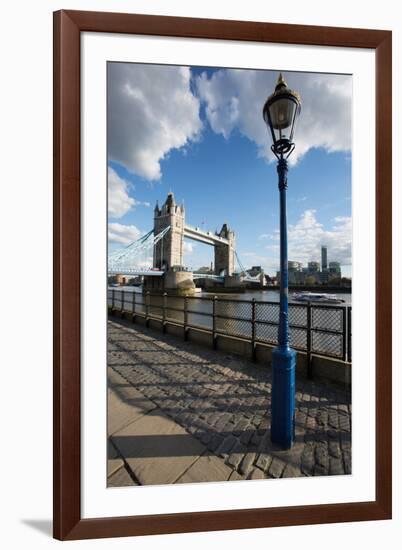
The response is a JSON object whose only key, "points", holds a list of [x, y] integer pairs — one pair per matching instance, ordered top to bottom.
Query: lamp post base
{"points": [[283, 397]]}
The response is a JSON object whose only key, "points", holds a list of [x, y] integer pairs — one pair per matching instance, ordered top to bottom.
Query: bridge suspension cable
{"points": [[135, 245], [129, 257], [242, 268], [246, 276]]}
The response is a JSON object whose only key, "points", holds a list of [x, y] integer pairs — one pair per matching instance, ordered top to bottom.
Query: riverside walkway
{"points": [[182, 413]]}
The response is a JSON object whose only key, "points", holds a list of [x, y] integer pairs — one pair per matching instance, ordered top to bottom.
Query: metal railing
{"points": [[316, 329]]}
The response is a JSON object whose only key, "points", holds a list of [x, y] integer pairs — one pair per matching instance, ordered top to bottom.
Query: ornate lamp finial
{"points": [[281, 82]]}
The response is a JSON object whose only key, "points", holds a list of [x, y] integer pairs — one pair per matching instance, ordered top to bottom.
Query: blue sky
{"points": [[199, 133]]}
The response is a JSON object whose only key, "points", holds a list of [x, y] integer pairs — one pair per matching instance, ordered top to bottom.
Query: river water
{"points": [[259, 295], [273, 296]]}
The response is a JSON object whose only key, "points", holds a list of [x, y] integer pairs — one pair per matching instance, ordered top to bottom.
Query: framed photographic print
{"points": [[222, 229]]}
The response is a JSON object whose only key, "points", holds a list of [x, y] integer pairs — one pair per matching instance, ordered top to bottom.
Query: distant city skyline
{"points": [[199, 133]]}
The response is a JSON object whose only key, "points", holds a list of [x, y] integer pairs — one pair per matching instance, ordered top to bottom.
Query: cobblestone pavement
{"points": [[223, 401]]}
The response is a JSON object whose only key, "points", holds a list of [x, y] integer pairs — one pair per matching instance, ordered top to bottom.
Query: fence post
{"points": [[113, 291], [147, 299], [122, 304], [133, 308], [164, 312], [185, 318], [214, 322], [253, 331], [344, 333], [350, 334], [309, 338]]}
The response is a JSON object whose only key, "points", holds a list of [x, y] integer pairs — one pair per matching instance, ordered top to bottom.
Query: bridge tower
{"points": [[168, 252], [225, 254]]}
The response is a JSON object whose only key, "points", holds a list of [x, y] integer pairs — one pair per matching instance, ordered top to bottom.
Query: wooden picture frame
{"points": [[68, 25]]}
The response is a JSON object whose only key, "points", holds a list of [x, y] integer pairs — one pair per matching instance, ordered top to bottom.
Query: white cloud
{"points": [[234, 99], [151, 110], [119, 200], [123, 234], [308, 235], [305, 239], [188, 248], [270, 265]]}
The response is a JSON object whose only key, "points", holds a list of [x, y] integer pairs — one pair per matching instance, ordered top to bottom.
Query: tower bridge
{"points": [[166, 244], [169, 251]]}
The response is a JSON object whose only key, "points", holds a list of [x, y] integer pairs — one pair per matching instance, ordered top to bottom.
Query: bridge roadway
{"points": [[206, 237], [134, 272], [182, 413]]}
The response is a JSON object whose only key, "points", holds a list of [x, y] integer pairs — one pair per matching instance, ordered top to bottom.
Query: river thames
{"points": [[259, 295]]}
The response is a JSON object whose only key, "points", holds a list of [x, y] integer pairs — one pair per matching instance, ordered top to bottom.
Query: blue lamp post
{"points": [[280, 112]]}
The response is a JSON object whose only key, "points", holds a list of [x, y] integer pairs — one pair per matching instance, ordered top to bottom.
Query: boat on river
{"points": [[317, 297]]}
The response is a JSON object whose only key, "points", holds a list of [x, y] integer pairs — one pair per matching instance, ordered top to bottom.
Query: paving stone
{"points": [[125, 403], [300, 417], [214, 418], [322, 418], [333, 419], [257, 420], [222, 421], [311, 422], [344, 422], [265, 423], [240, 426], [228, 427], [299, 431], [332, 434], [247, 435], [321, 436], [206, 437], [256, 438], [345, 440], [214, 442], [265, 444], [226, 445], [157, 449], [334, 449], [236, 455], [294, 455], [321, 455], [307, 459], [114, 460], [264, 461], [347, 461], [247, 463], [336, 466], [206, 468], [276, 468], [320, 470], [291, 471], [256, 473], [235, 476], [121, 478]]}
